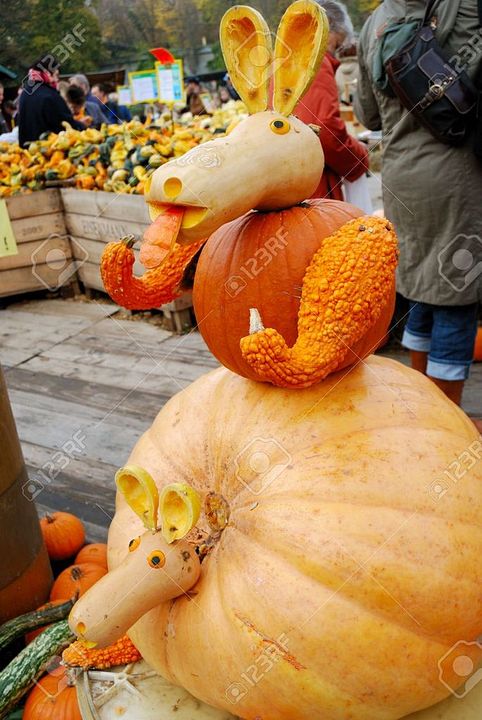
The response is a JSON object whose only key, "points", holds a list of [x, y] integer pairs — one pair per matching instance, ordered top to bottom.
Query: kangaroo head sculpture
{"points": [[271, 160], [325, 299], [158, 565]]}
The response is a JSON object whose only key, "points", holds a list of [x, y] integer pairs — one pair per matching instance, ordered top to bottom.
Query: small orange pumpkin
{"points": [[260, 261], [63, 534], [94, 553], [76, 580], [33, 633], [52, 698]]}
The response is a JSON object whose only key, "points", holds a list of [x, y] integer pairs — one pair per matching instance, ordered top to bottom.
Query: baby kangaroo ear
{"points": [[299, 49], [248, 54], [140, 492]]}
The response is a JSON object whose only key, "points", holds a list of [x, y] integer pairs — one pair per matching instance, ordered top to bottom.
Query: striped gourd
{"points": [[31, 621], [30, 663]]}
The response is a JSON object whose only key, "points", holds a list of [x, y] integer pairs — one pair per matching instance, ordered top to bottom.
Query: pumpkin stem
{"points": [[128, 240], [255, 322], [49, 518], [76, 573]]}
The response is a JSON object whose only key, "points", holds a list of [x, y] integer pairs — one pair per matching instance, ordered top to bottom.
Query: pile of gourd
{"points": [[116, 158], [77, 567]]}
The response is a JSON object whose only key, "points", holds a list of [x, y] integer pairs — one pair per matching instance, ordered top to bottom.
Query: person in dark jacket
{"points": [[41, 108], [345, 157], [432, 194]]}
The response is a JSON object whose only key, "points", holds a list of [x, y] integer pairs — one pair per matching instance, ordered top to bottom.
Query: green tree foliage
{"points": [[68, 29], [119, 31]]}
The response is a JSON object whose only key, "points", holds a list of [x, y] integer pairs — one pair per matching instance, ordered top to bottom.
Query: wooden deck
{"points": [[74, 369], [87, 384]]}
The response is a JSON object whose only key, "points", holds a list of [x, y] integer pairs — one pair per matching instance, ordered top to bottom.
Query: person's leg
{"points": [[417, 334], [451, 352], [419, 360], [452, 388]]}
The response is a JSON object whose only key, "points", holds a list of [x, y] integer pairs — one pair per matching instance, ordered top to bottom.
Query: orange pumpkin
{"points": [[259, 261], [478, 346], [63, 534], [94, 553], [348, 564], [76, 580], [33, 633], [52, 698]]}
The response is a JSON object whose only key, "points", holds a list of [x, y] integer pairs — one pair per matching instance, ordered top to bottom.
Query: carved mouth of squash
{"points": [[192, 216], [168, 221]]}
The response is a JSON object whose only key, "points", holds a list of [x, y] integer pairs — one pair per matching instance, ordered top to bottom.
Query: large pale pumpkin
{"points": [[350, 564]]}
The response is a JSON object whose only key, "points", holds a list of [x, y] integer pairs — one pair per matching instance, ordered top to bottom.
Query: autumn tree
{"points": [[68, 29]]}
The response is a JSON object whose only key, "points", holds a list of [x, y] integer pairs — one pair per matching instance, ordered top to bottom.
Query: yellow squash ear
{"points": [[299, 49], [248, 54], [140, 492]]}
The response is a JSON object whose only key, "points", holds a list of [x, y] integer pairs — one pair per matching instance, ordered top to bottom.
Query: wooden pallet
{"points": [[96, 218], [44, 258]]}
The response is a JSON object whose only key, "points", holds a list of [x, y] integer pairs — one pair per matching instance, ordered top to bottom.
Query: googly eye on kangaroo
{"points": [[269, 161]]}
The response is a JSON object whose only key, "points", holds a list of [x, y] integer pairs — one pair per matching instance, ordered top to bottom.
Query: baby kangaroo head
{"points": [[158, 566]]}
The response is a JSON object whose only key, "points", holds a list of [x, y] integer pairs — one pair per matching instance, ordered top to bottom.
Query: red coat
{"points": [[345, 157]]}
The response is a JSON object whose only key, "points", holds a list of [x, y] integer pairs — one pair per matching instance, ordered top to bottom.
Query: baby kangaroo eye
{"points": [[280, 126], [134, 544], [156, 559]]}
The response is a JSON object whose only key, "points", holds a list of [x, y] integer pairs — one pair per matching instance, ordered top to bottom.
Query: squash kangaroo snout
{"points": [[218, 181], [153, 572]]}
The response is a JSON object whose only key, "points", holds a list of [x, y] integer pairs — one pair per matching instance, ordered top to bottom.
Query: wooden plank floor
{"points": [[77, 373]]}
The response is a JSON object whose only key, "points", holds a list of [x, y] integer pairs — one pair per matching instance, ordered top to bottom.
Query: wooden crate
{"points": [[96, 218], [44, 258]]}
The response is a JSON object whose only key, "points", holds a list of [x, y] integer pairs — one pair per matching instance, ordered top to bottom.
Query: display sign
{"points": [[170, 80], [143, 85], [124, 93], [8, 244]]}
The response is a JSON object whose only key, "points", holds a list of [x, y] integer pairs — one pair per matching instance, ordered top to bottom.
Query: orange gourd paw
{"points": [[345, 288]]}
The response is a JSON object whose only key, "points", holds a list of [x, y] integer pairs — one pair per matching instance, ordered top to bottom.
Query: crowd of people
{"points": [[44, 103], [431, 191]]}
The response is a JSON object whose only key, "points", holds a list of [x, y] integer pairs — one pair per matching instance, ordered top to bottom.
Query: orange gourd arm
{"points": [[155, 287], [344, 291], [122, 652]]}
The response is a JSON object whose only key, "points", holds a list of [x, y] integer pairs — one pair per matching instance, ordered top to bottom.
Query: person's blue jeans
{"points": [[447, 334]]}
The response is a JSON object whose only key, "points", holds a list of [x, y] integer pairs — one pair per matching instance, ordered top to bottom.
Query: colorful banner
{"points": [[170, 81], [143, 85]]}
